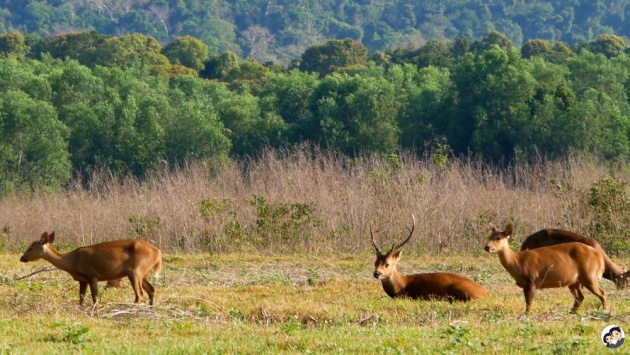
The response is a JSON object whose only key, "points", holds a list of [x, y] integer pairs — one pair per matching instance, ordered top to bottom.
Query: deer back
{"points": [[548, 237], [560, 265]]}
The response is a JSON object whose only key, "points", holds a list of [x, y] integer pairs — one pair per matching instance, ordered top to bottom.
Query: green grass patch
{"points": [[254, 304]]}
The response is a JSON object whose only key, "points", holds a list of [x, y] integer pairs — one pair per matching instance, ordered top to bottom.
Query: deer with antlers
{"points": [[426, 286]]}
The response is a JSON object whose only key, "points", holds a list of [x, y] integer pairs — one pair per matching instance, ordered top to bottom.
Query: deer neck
{"points": [[61, 261], [509, 261], [394, 284]]}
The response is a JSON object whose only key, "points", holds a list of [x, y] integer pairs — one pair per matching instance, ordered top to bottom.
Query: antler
{"points": [[413, 227], [378, 250]]}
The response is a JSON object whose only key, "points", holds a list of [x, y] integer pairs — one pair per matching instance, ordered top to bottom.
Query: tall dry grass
{"points": [[198, 209]]}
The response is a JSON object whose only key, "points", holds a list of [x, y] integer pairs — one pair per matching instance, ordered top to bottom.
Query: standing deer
{"points": [[547, 237], [102, 262], [569, 264], [426, 286]]}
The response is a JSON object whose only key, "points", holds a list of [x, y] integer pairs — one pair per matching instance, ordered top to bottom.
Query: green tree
{"points": [[496, 39], [13, 43], [608, 45], [78, 46], [536, 47], [128, 50], [187, 51], [561, 52], [434, 53], [332, 56], [218, 67], [249, 73], [289, 96], [423, 96], [492, 111], [356, 114], [115, 119], [604, 126], [193, 128], [249, 129], [33, 146]]}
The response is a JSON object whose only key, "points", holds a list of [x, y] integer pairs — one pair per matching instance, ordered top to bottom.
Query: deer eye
{"points": [[386, 264]]}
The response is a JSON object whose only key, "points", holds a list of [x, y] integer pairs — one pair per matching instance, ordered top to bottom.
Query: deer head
{"points": [[499, 239], [37, 249], [385, 264]]}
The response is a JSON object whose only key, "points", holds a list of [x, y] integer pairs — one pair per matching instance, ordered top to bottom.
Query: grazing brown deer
{"points": [[547, 237], [102, 262], [569, 264], [438, 285]]}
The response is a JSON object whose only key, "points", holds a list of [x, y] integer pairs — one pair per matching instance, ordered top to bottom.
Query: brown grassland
{"points": [[274, 256]]}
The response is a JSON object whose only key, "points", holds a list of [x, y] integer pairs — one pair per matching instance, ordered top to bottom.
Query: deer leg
{"points": [[149, 288], [94, 289], [137, 289], [529, 290], [597, 291], [82, 292], [578, 296]]}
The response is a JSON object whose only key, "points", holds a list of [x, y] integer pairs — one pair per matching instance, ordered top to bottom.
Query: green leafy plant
{"points": [[440, 153], [610, 208], [219, 211], [287, 221], [144, 227], [292, 325], [75, 333]]}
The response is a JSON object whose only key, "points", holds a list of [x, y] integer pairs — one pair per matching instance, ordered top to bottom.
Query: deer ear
{"points": [[509, 229], [51, 237], [44, 239], [397, 254]]}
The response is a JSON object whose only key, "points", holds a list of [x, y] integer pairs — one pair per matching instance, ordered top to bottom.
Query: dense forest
{"points": [[281, 30], [75, 103]]}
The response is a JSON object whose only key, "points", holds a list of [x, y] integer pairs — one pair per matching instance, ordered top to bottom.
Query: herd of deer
{"points": [[549, 258]]}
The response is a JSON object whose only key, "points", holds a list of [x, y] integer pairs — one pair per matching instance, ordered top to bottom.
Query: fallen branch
{"points": [[45, 268], [365, 320]]}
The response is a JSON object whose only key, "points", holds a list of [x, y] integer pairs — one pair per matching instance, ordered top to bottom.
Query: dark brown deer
{"points": [[547, 237], [106, 261], [571, 265], [426, 286]]}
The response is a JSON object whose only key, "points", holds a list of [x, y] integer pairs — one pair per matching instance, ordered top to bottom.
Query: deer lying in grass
{"points": [[547, 237], [102, 262], [569, 264], [439, 285]]}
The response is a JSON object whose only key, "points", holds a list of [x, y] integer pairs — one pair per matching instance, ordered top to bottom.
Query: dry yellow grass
{"points": [[198, 210], [262, 289]]}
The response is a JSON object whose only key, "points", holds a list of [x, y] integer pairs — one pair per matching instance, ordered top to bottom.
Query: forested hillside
{"points": [[280, 30]]}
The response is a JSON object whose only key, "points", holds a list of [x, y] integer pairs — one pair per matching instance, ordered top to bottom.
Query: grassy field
{"points": [[273, 256], [244, 303]]}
